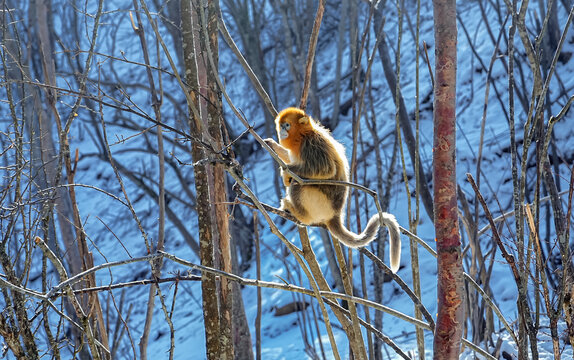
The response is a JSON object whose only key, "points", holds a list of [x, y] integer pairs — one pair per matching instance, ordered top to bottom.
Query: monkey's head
{"points": [[292, 124]]}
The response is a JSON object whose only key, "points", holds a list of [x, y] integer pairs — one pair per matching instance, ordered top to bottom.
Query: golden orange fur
{"points": [[311, 152]]}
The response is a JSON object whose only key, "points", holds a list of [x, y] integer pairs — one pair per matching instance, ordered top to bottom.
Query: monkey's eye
{"points": [[286, 126]]}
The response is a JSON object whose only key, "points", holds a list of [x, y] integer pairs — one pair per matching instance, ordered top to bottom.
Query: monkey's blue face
{"points": [[284, 130]]}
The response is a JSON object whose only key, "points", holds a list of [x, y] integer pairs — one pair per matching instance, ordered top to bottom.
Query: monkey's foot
{"points": [[287, 179]]}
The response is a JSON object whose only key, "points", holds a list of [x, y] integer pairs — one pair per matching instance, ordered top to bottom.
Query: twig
{"points": [[311, 54], [428, 63], [173, 66], [552, 68], [254, 80], [156, 104], [485, 107], [47, 189], [511, 212], [418, 240], [508, 257], [76, 278], [138, 283], [319, 284], [295, 288], [24, 291], [416, 300], [259, 301], [492, 305], [552, 313], [84, 320], [171, 328], [373, 330], [477, 349]]}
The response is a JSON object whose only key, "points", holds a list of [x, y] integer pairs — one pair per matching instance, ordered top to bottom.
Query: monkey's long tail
{"points": [[338, 230]]}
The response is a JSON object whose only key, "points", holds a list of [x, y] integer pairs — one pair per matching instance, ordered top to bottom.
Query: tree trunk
{"points": [[199, 28], [190, 35], [217, 186], [448, 331]]}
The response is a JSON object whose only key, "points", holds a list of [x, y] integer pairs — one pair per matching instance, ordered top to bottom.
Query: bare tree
{"points": [[116, 149], [448, 331]]}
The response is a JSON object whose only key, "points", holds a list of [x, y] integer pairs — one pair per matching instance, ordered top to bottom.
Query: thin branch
{"points": [[311, 54], [254, 80], [508, 257], [78, 277], [138, 283], [299, 289], [84, 320]]}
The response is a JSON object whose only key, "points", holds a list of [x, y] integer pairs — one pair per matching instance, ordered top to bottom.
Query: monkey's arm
{"points": [[279, 150], [283, 155]]}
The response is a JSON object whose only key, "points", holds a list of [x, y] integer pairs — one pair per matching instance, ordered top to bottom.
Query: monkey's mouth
{"points": [[283, 134]]}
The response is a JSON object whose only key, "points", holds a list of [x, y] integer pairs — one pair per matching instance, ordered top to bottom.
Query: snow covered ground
{"points": [[281, 336]]}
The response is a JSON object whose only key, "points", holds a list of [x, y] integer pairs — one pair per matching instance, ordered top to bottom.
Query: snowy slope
{"points": [[282, 335]]}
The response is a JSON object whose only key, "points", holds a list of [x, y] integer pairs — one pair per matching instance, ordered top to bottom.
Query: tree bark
{"points": [[200, 31], [190, 34], [217, 185], [448, 331]]}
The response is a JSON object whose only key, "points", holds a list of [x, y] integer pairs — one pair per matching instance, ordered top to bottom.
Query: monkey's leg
{"points": [[286, 178], [286, 205], [296, 210]]}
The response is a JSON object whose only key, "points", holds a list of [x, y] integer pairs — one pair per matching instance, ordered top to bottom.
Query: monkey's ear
{"points": [[304, 120]]}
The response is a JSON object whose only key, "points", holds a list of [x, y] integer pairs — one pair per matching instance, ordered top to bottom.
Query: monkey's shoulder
{"points": [[320, 140], [321, 154]]}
